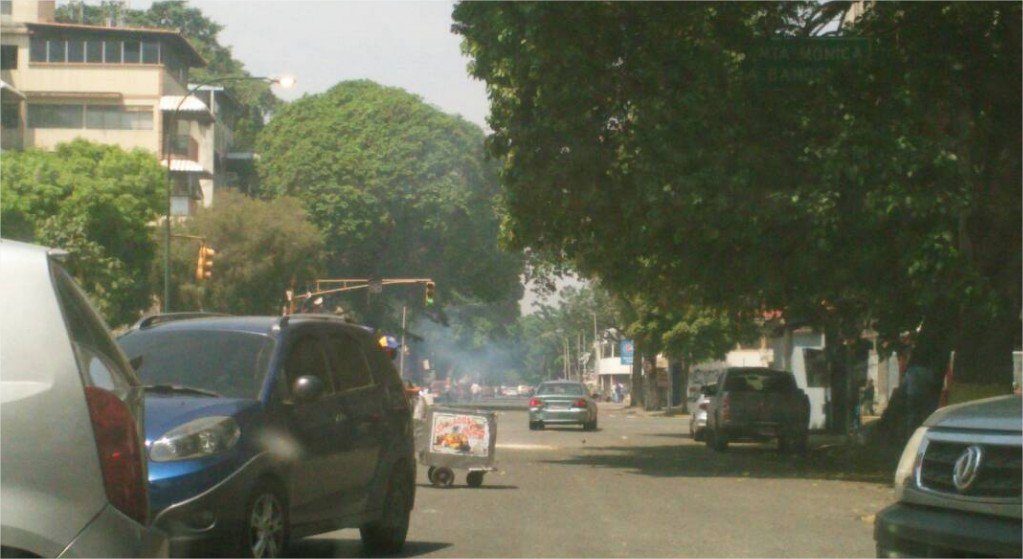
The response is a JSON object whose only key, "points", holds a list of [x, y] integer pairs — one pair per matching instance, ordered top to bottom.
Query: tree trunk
{"points": [[636, 391]]}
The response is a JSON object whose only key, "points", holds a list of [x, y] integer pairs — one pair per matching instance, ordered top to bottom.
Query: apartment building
{"points": [[117, 85]]}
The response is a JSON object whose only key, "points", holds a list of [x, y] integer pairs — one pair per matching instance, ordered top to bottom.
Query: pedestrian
{"points": [[475, 389], [618, 392], [868, 397]]}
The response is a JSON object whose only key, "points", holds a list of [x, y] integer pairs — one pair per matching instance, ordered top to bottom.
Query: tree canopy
{"points": [[638, 145], [399, 189], [96, 201], [261, 245]]}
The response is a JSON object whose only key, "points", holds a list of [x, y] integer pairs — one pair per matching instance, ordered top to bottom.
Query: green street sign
{"points": [[791, 61]]}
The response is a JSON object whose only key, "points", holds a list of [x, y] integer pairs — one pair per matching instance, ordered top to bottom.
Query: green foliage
{"points": [[256, 98], [636, 144], [399, 189], [96, 201], [261, 247]]}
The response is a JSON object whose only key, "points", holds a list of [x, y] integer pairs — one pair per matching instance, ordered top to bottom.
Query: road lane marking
{"points": [[516, 446]]}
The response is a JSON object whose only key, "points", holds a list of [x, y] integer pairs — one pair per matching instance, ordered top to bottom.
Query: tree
{"points": [[255, 97], [637, 145], [398, 189], [98, 202], [261, 247]]}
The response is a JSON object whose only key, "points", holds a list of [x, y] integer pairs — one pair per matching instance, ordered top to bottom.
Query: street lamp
{"points": [[283, 81]]}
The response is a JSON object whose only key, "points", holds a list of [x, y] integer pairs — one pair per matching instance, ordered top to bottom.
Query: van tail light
{"points": [[535, 403], [580, 403], [703, 405], [726, 407], [120, 454]]}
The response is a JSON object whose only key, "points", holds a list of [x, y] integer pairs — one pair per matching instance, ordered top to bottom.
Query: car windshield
{"points": [[231, 364], [564, 389]]}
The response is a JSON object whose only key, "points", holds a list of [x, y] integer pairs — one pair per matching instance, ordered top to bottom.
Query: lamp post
{"points": [[171, 120]]}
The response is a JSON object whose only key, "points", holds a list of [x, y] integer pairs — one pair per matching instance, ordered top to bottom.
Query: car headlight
{"points": [[201, 437], [907, 464]]}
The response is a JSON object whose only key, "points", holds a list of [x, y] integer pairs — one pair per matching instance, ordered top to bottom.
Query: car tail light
{"points": [[535, 403], [580, 403], [703, 405], [726, 407], [120, 454]]}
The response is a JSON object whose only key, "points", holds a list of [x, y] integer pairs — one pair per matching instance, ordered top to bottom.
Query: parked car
{"points": [[562, 403], [756, 403], [698, 417], [263, 429], [74, 472], [958, 485]]}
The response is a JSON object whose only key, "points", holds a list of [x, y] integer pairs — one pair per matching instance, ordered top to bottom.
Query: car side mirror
{"points": [[307, 388]]}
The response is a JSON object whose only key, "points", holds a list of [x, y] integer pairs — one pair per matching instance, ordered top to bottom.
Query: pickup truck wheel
{"points": [[719, 442]]}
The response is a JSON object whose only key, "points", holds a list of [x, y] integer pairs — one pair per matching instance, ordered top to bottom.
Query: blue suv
{"points": [[261, 429]]}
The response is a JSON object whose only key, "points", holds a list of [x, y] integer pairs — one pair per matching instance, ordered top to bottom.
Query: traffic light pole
{"points": [[349, 284]]}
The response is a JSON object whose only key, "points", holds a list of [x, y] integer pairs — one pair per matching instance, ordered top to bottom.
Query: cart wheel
{"points": [[429, 473], [442, 477], [474, 479]]}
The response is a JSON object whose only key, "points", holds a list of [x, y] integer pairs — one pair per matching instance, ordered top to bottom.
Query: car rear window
{"points": [[230, 363], [759, 380], [561, 389]]}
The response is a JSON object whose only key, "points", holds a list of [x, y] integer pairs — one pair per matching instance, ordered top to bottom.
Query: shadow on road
{"points": [[740, 460], [352, 547]]}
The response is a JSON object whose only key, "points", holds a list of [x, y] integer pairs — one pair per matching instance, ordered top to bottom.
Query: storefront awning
{"points": [[190, 104]]}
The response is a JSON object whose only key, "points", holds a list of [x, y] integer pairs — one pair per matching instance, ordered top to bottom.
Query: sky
{"points": [[322, 42]]}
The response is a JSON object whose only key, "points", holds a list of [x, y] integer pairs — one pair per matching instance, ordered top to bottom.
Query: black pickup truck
{"points": [[756, 403]]}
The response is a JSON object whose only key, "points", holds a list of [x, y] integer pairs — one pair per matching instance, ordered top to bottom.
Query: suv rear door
{"points": [[361, 429], [318, 474]]}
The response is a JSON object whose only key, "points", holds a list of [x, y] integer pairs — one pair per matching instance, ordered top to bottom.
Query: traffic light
{"points": [[204, 264], [430, 286]]}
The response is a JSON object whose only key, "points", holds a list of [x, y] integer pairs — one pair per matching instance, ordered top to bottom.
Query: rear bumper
{"points": [[555, 416], [755, 429], [903, 530], [112, 534]]}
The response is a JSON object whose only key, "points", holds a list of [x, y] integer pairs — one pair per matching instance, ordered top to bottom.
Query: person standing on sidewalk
{"points": [[868, 397]]}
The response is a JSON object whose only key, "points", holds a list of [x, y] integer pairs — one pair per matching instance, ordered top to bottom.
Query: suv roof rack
{"points": [[153, 320]]}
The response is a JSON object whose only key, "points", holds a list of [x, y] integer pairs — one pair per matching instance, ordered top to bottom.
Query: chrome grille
{"points": [[999, 475]]}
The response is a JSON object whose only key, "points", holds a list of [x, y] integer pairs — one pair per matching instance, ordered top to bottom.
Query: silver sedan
{"points": [[562, 403]]}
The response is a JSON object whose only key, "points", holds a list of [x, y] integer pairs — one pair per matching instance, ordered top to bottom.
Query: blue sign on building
{"points": [[626, 350]]}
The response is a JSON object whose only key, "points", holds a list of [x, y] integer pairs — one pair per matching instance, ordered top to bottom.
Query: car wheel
{"points": [[536, 425], [474, 479], [266, 530], [387, 535]]}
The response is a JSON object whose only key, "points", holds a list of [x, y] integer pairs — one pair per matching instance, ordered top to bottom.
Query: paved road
{"points": [[638, 487]]}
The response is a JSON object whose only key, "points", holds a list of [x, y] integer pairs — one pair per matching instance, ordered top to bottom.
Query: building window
{"points": [[6, 7], [56, 50], [37, 51], [76, 51], [94, 52], [112, 52], [132, 52], [150, 53], [8, 57], [9, 116], [56, 116], [113, 117]]}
